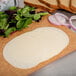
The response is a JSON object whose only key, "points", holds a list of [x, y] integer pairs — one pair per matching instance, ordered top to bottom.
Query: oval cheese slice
{"points": [[34, 47]]}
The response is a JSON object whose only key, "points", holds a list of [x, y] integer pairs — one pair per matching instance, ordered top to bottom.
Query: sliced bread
{"points": [[50, 3], [38, 4], [65, 4], [73, 5]]}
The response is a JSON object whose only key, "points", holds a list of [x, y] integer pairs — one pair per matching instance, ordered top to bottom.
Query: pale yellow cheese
{"points": [[34, 47]]}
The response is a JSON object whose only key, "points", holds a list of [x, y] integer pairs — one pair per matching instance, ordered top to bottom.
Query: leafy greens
{"points": [[15, 19]]}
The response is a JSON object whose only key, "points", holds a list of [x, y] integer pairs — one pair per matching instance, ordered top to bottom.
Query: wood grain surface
{"points": [[8, 70]]}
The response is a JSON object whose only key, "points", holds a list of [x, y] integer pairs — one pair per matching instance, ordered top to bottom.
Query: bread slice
{"points": [[50, 3], [38, 4], [65, 4], [73, 5]]}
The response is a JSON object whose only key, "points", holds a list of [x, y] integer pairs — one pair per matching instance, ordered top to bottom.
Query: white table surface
{"points": [[65, 66]]}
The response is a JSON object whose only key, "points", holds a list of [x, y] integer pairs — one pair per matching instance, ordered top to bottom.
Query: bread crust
{"points": [[49, 5], [39, 6], [72, 7], [66, 8]]}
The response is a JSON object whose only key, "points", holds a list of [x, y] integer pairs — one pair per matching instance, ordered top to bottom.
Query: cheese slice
{"points": [[34, 47]]}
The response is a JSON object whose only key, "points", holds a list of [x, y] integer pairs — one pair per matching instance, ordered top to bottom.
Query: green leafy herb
{"points": [[13, 8], [32, 8], [25, 10], [19, 11], [1, 12], [43, 14], [28, 15], [3, 16], [37, 16], [17, 18], [27, 22], [3, 23], [23, 23], [20, 24], [9, 31]]}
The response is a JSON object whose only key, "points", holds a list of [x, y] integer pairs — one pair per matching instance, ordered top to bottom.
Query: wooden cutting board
{"points": [[8, 70]]}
